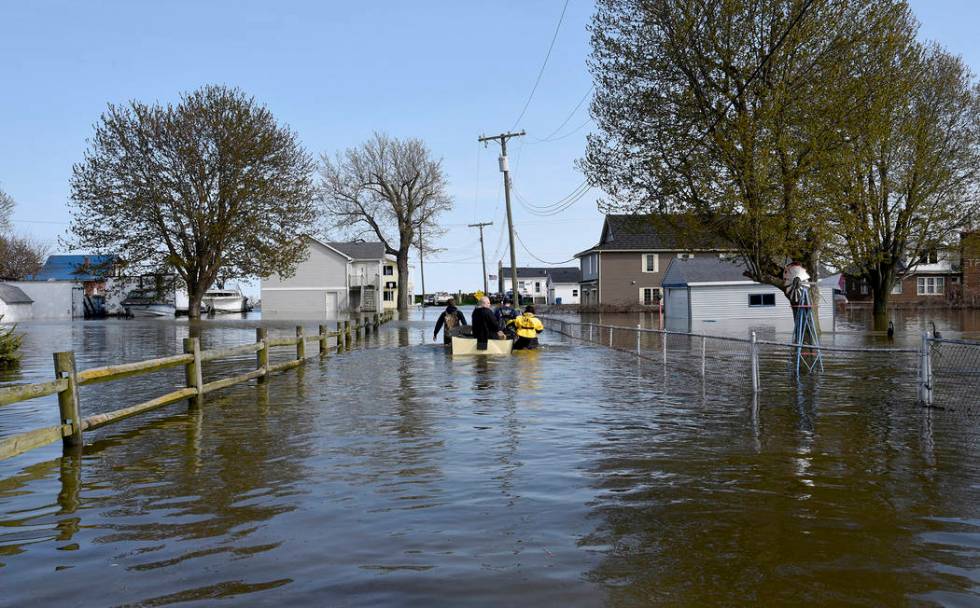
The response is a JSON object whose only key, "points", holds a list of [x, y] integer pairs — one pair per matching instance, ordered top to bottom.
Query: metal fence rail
{"points": [[943, 372]]}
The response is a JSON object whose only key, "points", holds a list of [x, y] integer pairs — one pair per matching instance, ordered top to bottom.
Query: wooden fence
{"points": [[68, 380]]}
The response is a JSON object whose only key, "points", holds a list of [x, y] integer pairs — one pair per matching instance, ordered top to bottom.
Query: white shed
{"points": [[318, 288], [708, 289], [15, 305]]}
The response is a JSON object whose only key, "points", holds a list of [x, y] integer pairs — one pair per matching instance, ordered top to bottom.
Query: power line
{"points": [[537, 81], [548, 137], [536, 257]]}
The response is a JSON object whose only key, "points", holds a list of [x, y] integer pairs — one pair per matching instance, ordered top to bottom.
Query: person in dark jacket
{"points": [[506, 314], [450, 319], [485, 324]]}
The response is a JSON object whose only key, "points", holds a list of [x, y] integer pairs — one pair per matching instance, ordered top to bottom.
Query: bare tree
{"points": [[212, 186], [391, 187], [6, 210], [20, 256]]}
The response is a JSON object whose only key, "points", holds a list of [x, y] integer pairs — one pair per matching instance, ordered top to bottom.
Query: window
{"points": [[685, 256], [929, 257], [651, 262], [389, 271], [520, 284], [931, 286], [537, 287], [864, 287], [897, 288], [574, 293], [389, 296], [649, 296], [762, 299]]}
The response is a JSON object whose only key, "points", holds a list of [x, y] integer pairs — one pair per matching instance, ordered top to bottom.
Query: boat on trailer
{"points": [[468, 346]]}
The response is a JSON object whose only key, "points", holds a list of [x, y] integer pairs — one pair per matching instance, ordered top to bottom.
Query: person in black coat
{"points": [[451, 318], [485, 325]]}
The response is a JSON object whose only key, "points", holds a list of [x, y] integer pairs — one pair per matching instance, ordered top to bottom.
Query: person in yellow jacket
{"points": [[527, 327]]}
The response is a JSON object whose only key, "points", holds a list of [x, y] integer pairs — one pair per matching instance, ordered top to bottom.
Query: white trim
{"points": [[328, 246], [643, 262], [711, 283], [342, 288], [655, 289]]}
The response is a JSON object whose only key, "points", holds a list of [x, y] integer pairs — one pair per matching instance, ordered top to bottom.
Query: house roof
{"points": [[653, 232], [361, 250], [74, 268], [704, 269], [526, 272], [565, 274], [11, 294]]}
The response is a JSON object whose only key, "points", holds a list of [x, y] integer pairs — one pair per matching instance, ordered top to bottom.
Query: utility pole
{"points": [[505, 169], [483, 256], [422, 268]]}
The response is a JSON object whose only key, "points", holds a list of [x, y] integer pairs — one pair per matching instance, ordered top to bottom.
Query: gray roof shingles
{"points": [[647, 232], [361, 250], [705, 268], [562, 274], [11, 294]]}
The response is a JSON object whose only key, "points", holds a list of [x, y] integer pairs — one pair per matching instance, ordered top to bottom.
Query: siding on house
{"points": [[622, 276], [317, 288]]}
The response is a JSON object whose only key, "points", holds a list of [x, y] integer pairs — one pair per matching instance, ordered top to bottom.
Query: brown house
{"points": [[626, 267]]}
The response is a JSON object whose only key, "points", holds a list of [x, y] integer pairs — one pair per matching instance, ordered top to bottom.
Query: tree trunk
{"points": [[403, 295], [194, 297], [879, 309]]}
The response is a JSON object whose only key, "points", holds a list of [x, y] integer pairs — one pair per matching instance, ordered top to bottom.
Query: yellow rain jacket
{"points": [[527, 325]]}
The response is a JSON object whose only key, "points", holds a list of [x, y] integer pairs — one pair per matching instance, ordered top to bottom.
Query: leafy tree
{"points": [[724, 111], [906, 180], [210, 186], [390, 188], [9, 346]]}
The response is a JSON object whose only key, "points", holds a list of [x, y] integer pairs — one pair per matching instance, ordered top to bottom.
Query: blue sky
{"points": [[335, 72]]}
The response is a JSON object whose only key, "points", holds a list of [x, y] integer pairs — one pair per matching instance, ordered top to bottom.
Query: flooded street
{"points": [[574, 475]]}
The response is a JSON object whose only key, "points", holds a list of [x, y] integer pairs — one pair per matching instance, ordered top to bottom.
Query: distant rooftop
{"points": [[654, 232], [75, 268], [561, 274], [11, 294]]}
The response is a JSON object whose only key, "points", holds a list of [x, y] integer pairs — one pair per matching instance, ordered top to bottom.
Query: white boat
{"points": [[219, 301], [146, 303], [467, 346]]}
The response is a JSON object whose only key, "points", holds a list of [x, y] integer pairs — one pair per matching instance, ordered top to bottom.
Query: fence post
{"points": [[377, 321], [638, 327], [322, 332], [590, 332], [347, 336], [340, 337], [610, 337], [663, 338], [300, 343], [262, 355], [702, 355], [755, 365], [925, 371], [193, 372], [68, 406]]}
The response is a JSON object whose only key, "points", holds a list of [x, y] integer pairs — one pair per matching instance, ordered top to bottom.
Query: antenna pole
{"points": [[505, 169]]}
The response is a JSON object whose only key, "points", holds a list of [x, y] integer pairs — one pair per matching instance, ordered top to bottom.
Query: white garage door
{"points": [[331, 304]]}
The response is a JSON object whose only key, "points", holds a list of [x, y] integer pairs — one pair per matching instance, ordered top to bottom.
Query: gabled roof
{"points": [[653, 232], [361, 250], [75, 268], [707, 268], [526, 272], [565, 274], [11, 294]]}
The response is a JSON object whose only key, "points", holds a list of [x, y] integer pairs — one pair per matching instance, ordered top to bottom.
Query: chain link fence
{"points": [[941, 373]]}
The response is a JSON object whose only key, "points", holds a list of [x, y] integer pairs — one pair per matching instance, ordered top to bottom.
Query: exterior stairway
{"points": [[369, 300]]}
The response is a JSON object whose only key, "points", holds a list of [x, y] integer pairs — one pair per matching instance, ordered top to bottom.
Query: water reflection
{"points": [[574, 475]]}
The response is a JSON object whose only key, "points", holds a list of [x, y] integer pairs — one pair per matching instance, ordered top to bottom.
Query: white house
{"points": [[335, 279], [536, 284], [563, 285], [705, 290], [15, 305]]}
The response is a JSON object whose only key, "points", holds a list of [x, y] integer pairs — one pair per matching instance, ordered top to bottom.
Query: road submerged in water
{"points": [[574, 475]]}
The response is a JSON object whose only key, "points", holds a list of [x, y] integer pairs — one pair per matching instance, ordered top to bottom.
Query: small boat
{"points": [[219, 301], [145, 303], [467, 346]]}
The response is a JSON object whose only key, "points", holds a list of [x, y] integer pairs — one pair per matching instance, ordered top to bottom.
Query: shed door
{"points": [[677, 303], [331, 304]]}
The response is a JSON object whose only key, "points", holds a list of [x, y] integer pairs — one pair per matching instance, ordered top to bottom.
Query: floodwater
{"points": [[575, 475]]}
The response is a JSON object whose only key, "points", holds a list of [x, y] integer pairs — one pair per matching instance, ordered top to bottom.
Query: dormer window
{"points": [[930, 256]]}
